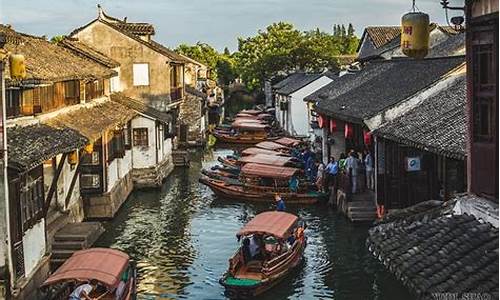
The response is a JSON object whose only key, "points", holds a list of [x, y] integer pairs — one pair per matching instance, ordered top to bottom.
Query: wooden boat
{"points": [[246, 133], [289, 142], [273, 146], [255, 150], [273, 160], [260, 183], [282, 243], [113, 270]]}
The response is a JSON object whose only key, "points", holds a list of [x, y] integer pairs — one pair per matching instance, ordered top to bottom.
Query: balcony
{"points": [[176, 94]]}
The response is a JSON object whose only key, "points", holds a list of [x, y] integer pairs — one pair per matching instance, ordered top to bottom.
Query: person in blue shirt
{"points": [[311, 169], [332, 169], [293, 184], [280, 204]]}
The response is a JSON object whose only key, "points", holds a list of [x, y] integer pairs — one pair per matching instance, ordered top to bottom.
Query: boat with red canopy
{"points": [[245, 131], [289, 142], [268, 145], [254, 150], [266, 159], [260, 183], [272, 245], [113, 270]]}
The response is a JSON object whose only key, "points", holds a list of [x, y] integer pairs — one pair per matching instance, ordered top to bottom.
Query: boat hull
{"points": [[228, 139], [233, 192], [247, 292]]}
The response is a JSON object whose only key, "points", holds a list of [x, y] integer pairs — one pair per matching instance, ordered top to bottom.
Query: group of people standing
{"points": [[352, 165]]}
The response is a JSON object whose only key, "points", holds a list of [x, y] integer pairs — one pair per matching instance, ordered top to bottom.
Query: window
{"points": [[140, 74], [484, 83], [94, 89], [71, 92], [13, 104], [141, 137], [116, 147], [91, 159], [90, 181], [32, 199]]}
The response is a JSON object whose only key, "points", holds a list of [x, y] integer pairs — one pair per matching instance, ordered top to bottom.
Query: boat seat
{"points": [[254, 266]]}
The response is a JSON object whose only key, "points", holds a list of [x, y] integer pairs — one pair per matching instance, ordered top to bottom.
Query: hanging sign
{"points": [[413, 164]]}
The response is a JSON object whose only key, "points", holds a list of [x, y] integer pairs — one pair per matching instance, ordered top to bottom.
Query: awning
{"points": [[93, 121], [289, 142], [270, 145], [29, 146], [253, 151], [267, 159], [253, 169], [276, 223], [102, 264]]}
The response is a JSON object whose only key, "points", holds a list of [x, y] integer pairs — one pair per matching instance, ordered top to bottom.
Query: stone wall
{"points": [[191, 114], [152, 177], [106, 205]]}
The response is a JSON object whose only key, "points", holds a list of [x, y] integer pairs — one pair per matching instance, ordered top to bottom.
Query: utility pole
{"points": [[4, 264]]}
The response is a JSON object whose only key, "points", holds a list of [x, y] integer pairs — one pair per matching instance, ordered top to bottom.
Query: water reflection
{"points": [[182, 237]]}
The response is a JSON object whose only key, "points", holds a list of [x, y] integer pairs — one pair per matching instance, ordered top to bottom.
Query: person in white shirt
{"points": [[352, 166], [370, 182], [83, 291]]}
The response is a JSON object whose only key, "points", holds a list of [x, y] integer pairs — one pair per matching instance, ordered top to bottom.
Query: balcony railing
{"points": [[176, 93]]}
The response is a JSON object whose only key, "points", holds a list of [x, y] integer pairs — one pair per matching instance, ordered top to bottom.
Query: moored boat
{"points": [[244, 133], [260, 183], [272, 246], [113, 270]]}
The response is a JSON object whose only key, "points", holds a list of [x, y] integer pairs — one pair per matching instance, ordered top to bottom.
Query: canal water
{"points": [[182, 236]]}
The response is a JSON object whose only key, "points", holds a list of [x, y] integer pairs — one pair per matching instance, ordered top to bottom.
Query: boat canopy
{"points": [[251, 111], [249, 116], [264, 116], [250, 126], [289, 142], [270, 145], [253, 151], [267, 159], [253, 169], [276, 223], [102, 264]]}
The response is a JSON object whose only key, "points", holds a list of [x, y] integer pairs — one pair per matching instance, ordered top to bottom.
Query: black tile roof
{"points": [[88, 52], [296, 81], [380, 85], [141, 107], [438, 124], [29, 146], [439, 253]]}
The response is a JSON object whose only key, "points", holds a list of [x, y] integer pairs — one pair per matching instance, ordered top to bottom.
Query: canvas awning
{"points": [[289, 142], [270, 145], [253, 151], [267, 159], [253, 169], [276, 223], [102, 264]]}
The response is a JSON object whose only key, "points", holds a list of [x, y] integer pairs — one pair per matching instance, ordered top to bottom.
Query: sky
{"points": [[216, 22]]}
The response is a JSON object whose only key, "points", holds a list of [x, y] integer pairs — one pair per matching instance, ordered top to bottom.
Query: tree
{"points": [[57, 38]]}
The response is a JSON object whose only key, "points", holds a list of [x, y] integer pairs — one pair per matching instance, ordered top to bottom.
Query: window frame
{"points": [[140, 137]]}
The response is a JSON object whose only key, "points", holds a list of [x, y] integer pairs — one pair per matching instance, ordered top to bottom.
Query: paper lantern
{"points": [[415, 34], [17, 66], [321, 121], [333, 125], [348, 131], [367, 137], [89, 148], [73, 158]]}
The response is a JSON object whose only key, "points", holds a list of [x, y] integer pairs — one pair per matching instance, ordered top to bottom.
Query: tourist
{"points": [[342, 161], [352, 166], [311, 168], [332, 170], [320, 178], [370, 182], [293, 184], [280, 204], [83, 291]]}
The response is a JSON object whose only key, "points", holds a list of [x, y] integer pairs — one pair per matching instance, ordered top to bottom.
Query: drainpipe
{"points": [[6, 267]]}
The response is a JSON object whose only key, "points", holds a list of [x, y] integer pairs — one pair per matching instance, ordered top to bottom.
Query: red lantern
{"points": [[321, 121], [333, 125], [348, 131], [367, 137]]}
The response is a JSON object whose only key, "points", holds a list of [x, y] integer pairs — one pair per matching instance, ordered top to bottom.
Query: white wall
{"points": [[115, 85], [298, 124], [144, 157], [118, 169], [112, 174], [33, 246]]}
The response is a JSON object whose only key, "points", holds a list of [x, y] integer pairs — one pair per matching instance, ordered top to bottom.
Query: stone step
{"points": [[362, 204], [361, 210], [362, 216], [69, 245], [62, 254], [56, 263]]}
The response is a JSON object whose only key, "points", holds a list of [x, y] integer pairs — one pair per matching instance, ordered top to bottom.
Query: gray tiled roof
{"points": [[296, 82], [380, 85], [438, 124], [29, 146], [436, 252]]}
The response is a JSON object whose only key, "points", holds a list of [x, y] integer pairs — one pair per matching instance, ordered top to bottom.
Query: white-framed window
{"points": [[140, 74]]}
